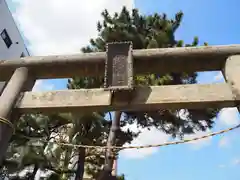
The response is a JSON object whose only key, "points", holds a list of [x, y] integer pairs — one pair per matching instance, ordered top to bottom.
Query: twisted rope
{"points": [[7, 122], [150, 146]]}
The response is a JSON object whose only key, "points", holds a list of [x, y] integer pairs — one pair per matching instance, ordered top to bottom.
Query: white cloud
{"points": [[62, 26], [43, 85], [228, 117], [146, 137], [152, 137], [224, 142], [198, 144], [236, 161], [222, 166]]}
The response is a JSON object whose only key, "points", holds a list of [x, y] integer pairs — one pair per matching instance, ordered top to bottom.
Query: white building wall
{"points": [[18, 47]]}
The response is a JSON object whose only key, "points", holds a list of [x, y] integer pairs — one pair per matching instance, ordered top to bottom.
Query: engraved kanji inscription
{"points": [[118, 67], [119, 71]]}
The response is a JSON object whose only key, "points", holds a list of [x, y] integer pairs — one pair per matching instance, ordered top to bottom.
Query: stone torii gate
{"points": [[118, 65]]}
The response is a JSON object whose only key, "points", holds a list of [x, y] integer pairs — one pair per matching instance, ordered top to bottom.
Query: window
{"points": [[6, 38], [22, 55]]}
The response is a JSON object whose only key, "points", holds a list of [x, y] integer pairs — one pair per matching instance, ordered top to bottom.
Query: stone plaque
{"points": [[118, 66]]}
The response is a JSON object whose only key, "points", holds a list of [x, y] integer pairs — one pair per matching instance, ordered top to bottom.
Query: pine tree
{"points": [[151, 31], [145, 32], [92, 129], [28, 145]]}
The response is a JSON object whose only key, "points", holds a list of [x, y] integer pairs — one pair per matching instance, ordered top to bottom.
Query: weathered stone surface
{"points": [[184, 59], [119, 66], [154, 97]]}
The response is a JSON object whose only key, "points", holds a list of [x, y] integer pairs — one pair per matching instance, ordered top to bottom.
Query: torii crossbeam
{"points": [[119, 64]]}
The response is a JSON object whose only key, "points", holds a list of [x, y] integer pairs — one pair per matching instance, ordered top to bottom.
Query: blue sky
{"points": [[214, 22]]}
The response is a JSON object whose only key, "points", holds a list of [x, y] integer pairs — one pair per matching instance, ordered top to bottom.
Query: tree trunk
{"points": [[67, 154], [80, 164], [35, 169], [107, 170], [114, 171]]}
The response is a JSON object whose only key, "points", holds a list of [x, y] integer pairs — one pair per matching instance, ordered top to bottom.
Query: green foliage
{"points": [[151, 31], [93, 129], [31, 141], [30, 145], [122, 177]]}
